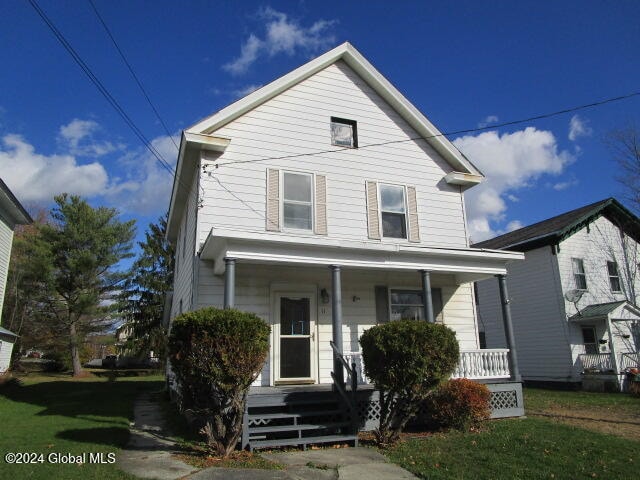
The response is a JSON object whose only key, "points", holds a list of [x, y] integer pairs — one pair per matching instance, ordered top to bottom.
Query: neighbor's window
{"points": [[344, 133], [297, 200], [393, 211], [578, 273], [614, 276], [406, 305]]}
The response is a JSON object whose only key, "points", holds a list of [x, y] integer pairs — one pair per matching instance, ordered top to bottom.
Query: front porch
{"points": [[320, 298]]}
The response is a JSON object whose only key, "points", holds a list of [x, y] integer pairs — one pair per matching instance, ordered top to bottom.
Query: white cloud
{"points": [[282, 35], [246, 90], [488, 120], [578, 127], [78, 138], [510, 161], [35, 177], [559, 186], [146, 188], [513, 225]]}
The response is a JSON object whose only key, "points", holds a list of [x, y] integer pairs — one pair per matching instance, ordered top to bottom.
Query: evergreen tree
{"points": [[77, 253], [143, 296]]}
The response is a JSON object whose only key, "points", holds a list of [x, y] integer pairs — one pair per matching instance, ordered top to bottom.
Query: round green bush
{"points": [[216, 351], [409, 354]]}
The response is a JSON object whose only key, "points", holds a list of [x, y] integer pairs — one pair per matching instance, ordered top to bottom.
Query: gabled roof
{"points": [[352, 57], [465, 173], [10, 208], [555, 229], [602, 310]]}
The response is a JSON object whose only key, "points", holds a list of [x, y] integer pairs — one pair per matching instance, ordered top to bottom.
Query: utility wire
{"points": [[133, 74], [105, 92], [446, 134]]}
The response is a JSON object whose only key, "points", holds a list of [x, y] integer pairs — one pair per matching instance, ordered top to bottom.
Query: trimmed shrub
{"points": [[215, 355], [406, 359], [460, 403]]}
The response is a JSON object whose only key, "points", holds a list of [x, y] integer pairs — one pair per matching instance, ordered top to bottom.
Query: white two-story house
{"points": [[326, 203], [574, 298]]}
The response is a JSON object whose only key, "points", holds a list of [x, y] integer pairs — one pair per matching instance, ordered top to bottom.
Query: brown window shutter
{"points": [[273, 200], [412, 204], [321, 205], [373, 218], [382, 304]]}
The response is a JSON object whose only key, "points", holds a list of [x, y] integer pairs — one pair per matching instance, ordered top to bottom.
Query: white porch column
{"points": [[229, 282], [426, 295], [336, 319], [508, 327], [612, 348]]}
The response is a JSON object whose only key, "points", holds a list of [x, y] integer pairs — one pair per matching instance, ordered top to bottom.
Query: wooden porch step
{"points": [[310, 413], [295, 428], [283, 442]]}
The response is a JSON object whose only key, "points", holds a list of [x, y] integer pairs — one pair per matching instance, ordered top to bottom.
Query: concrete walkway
{"points": [[149, 455], [327, 464]]}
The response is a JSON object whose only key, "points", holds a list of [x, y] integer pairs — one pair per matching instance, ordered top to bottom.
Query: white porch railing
{"points": [[629, 360], [596, 361], [603, 361], [483, 363], [473, 364]]}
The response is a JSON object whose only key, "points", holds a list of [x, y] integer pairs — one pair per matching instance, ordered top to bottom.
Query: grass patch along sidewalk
{"points": [[56, 415], [520, 449]]}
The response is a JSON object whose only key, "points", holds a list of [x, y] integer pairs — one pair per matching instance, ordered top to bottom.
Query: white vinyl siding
{"points": [[295, 123], [6, 240], [183, 283], [538, 316]]}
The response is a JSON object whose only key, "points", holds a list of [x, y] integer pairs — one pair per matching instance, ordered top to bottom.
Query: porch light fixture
{"points": [[324, 295], [356, 298], [626, 336], [602, 342]]}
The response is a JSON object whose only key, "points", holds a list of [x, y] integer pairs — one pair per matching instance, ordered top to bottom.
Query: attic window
{"points": [[344, 133]]}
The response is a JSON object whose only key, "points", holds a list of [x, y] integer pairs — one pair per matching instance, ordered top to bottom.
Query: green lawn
{"points": [[539, 399], [56, 414], [532, 448]]}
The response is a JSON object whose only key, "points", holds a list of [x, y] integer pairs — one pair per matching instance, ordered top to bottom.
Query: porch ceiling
{"points": [[466, 264]]}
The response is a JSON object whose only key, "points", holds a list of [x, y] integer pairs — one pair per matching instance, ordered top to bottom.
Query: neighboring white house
{"points": [[326, 203], [12, 213], [574, 297]]}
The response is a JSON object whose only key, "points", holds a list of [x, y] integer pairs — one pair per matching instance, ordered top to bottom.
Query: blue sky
{"points": [[463, 64]]}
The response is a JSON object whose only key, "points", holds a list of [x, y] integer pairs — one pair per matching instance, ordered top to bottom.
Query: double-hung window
{"points": [[297, 200], [393, 211], [579, 274], [614, 276], [406, 305]]}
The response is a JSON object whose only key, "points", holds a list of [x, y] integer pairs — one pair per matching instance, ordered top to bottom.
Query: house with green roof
{"points": [[574, 298]]}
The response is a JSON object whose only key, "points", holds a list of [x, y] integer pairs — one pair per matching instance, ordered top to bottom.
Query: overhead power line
{"points": [[133, 74], [105, 92], [446, 134]]}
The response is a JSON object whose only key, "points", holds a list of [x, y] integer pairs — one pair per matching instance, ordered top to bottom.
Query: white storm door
{"points": [[296, 339]]}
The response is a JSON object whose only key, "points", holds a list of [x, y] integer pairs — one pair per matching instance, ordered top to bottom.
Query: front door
{"points": [[295, 354]]}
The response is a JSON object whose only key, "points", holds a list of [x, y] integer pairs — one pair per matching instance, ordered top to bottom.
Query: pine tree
{"points": [[142, 299]]}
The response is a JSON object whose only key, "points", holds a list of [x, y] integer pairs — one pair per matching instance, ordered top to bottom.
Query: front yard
{"points": [[56, 414], [544, 445]]}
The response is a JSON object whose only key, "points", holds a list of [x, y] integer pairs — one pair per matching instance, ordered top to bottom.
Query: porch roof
{"points": [[467, 264], [620, 310]]}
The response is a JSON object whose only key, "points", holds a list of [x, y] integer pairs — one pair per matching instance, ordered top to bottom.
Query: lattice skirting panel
{"points": [[506, 401]]}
